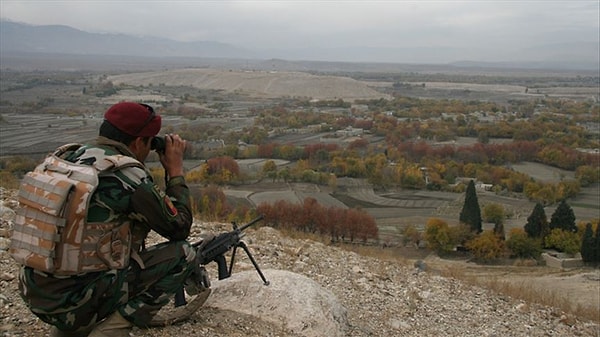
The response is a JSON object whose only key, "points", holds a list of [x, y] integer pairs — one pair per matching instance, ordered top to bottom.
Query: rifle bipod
{"points": [[243, 245], [213, 249]]}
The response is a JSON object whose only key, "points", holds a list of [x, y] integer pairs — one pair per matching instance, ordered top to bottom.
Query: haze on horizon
{"points": [[386, 31]]}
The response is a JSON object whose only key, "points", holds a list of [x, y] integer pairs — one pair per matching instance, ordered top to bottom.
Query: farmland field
{"points": [[242, 90], [543, 173]]}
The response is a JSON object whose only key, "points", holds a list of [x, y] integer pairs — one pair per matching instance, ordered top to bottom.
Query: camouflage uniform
{"points": [[153, 275]]}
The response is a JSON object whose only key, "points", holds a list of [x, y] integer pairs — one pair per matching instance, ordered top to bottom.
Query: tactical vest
{"points": [[51, 232]]}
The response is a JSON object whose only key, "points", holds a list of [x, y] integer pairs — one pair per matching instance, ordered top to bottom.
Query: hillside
{"points": [[256, 83], [383, 296]]}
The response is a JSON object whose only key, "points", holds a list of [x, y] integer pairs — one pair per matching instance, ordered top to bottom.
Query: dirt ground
{"points": [[577, 289]]}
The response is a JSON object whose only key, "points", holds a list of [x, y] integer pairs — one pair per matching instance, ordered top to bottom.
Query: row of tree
{"points": [[338, 223], [560, 233]]}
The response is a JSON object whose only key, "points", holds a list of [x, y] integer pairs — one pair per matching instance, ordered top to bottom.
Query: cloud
{"points": [[483, 26]]}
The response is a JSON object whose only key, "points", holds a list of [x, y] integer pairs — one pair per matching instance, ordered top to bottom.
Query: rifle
{"points": [[215, 249]]}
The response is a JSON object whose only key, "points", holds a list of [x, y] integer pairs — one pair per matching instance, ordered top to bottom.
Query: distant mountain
{"points": [[18, 37], [67, 42]]}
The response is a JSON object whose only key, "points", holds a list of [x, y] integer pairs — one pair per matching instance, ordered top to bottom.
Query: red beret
{"points": [[135, 119]]}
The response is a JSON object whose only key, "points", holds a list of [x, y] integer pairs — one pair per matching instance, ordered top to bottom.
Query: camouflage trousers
{"points": [[77, 303]]}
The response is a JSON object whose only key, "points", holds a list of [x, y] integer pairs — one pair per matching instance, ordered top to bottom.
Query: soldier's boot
{"points": [[114, 325], [56, 332]]}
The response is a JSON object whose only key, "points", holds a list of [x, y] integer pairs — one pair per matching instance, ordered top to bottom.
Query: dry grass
{"points": [[527, 292]]}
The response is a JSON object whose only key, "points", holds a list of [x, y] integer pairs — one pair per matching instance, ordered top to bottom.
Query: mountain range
{"points": [[58, 39]]}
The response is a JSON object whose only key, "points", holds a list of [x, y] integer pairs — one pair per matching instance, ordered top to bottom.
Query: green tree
{"points": [[471, 213], [494, 213], [563, 218], [537, 222], [563, 241], [597, 243], [522, 245], [588, 250]]}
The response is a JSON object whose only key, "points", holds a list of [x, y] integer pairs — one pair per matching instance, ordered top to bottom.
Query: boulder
{"points": [[296, 302]]}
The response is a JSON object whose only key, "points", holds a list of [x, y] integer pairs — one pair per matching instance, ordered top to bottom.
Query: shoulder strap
{"points": [[70, 147], [116, 162]]}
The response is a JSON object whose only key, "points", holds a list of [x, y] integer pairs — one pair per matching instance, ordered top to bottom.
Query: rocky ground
{"points": [[383, 297]]}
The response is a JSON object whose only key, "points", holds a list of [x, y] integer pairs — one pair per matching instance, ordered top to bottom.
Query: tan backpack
{"points": [[51, 233]]}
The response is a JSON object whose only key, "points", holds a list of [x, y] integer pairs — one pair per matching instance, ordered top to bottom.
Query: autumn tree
{"points": [[221, 169], [269, 169], [587, 175], [211, 202], [471, 213], [494, 213], [310, 216], [563, 218], [537, 223], [410, 234], [438, 237], [563, 241], [523, 245], [486, 246]]}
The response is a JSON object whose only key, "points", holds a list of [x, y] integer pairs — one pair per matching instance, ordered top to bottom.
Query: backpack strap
{"points": [[70, 147], [117, 162]]}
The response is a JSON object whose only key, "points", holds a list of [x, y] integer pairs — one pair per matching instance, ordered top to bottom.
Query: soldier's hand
{"points": [[172, 158]]}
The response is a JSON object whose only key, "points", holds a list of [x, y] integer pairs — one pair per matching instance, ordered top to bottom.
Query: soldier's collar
{"points": [[120, 147]]}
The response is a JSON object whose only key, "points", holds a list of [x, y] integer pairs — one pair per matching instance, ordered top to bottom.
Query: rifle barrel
{"points": [[255, 220], [238, 230]]}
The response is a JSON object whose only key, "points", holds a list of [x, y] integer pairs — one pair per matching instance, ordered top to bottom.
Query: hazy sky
{"points": [[483, 26]]}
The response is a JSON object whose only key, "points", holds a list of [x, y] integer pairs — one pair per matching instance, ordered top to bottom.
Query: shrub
{"points": [[8, 180], [493, 213], [460, 234], [411, 235], [437, 235], [563, 241], [522, 245], [486, 247]]}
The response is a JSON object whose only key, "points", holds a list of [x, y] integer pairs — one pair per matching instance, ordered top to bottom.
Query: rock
{"points": [[6, 213], [4, 243], [7, 276], [296, 302]]}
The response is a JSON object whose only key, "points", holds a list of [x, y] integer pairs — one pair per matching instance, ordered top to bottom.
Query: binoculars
{"points": [[158, 144]]}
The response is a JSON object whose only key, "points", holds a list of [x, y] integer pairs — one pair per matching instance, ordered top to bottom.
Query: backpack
{"points": [[51, 233]]}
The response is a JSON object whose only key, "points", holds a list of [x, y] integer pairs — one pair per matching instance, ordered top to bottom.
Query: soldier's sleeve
{"points": [[169, 214]]}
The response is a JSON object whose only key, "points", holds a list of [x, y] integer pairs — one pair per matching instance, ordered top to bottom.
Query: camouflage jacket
{"points": [[131, 195]]}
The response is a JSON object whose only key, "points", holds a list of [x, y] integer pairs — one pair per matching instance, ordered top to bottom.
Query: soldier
{"points": [[108, 303]]}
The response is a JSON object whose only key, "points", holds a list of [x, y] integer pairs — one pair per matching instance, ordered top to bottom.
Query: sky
{"points": [[484, 28]]}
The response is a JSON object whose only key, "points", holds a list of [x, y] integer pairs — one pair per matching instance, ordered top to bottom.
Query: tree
{"points": [[269, 169], [471, 213], [495, 213], [563, 218], [537, 222], [437, 235], [563, 241], [597, 243], [522, 245], [486, 246], [588, 250]]}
